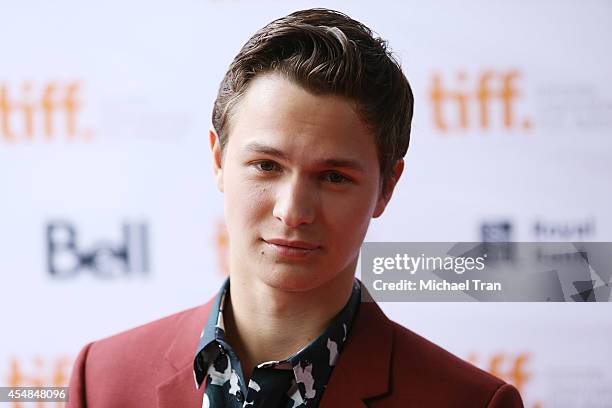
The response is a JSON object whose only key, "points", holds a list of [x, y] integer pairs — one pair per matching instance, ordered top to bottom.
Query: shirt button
{"points": [[239, 396]]}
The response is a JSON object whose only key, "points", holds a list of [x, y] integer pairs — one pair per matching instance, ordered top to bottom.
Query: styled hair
{"points": [[327, 52]]}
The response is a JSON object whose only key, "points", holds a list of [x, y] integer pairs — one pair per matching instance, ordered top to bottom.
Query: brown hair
{"points": [[327, 52]]}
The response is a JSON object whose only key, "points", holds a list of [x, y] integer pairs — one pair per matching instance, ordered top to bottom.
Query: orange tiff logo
{"points": [[480, 102], [49, 110], [222, 247], [511, 368], [55, 374]]}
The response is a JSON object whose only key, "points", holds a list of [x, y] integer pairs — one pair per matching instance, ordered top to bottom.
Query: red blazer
{"points": [[382, 365]]}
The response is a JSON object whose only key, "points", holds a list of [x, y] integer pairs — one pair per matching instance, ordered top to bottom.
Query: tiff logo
{"points": [[473, 102], [51, 110], [66, 258], [512, 368], [51, 373]]}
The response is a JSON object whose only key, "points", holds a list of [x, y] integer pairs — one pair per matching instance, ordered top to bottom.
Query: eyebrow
{"points": [[329, 162]]}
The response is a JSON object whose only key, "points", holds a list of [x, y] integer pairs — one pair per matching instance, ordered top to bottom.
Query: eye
{"points": [[266, 166], [335, 178]]}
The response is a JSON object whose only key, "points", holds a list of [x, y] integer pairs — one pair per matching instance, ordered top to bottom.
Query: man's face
{"points": [[300, 174]]}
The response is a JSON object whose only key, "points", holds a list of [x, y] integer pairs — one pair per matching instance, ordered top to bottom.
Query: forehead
{"points": [[277, 110]]}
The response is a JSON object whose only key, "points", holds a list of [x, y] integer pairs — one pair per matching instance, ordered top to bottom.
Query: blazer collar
{"points": [[367, 350], [179, 389]]}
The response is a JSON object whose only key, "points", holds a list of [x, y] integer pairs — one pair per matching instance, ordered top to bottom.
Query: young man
{"points": [[310, 126]]}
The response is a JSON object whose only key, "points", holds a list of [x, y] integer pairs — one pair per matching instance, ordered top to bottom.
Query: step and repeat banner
{"points": [[109, 216]]}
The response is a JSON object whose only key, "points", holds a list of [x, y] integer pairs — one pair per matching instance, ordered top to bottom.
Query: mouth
{"points": [[291, 249]]}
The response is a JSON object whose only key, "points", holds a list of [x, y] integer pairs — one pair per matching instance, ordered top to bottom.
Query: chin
{"points": [[293, 279]]}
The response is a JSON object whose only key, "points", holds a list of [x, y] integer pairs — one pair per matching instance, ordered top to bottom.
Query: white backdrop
{"points": [[104, 111]]}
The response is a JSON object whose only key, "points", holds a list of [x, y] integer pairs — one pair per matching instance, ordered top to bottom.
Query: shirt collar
{"points": [[214, 330], [323, 351]]}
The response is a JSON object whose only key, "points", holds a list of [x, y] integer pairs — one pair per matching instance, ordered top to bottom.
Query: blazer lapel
{"points": [[364, 365], [362, 370], [179, 389]]}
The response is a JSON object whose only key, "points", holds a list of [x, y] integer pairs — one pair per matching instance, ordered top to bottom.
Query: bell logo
{"points": [[474, 102], [48, 111], [66, 257]]}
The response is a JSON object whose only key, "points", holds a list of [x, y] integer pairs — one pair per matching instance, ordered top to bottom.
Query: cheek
{"points": [[246, 202], [355, 205], [350, 218], [352, 227]]}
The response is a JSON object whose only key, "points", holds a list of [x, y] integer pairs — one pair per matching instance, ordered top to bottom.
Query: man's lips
{"points": [[292, 244], [295, 250]]}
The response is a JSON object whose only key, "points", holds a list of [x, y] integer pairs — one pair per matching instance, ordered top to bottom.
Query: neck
{"points": [[264, 323]]}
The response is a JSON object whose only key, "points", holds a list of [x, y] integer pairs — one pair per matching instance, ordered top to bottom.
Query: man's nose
{"points": [[296, 202]]}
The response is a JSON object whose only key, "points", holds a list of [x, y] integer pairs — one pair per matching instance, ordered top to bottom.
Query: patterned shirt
{"points": [[297, 381]]}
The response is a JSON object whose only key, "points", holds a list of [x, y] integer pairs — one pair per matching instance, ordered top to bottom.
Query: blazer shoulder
{"points": [[152, 337], [429, 356], [417, 363], [126, 368], [506, 396]]}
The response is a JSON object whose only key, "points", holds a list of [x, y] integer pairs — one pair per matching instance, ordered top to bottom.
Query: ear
{"points": [[215, 147], [385, 196]]}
